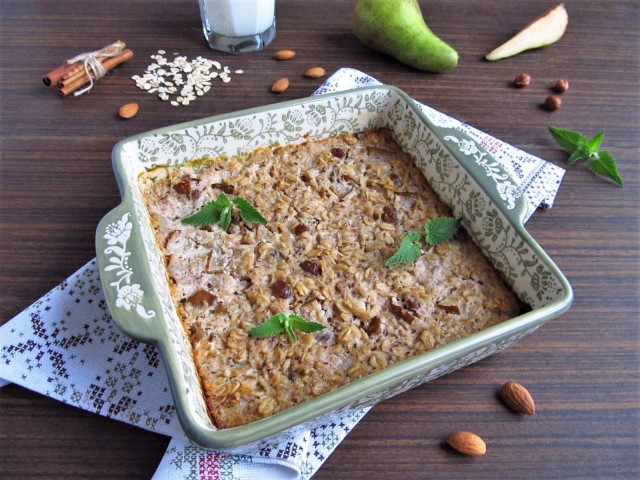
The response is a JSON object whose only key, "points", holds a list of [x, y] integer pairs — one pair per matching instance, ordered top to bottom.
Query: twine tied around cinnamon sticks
{"points": [[90, 60], [87, 67]]}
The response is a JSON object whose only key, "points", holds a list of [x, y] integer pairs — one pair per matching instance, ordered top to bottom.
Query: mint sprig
{"points": [[600, 162], [220, 210], [436, 231], [285, 322]]}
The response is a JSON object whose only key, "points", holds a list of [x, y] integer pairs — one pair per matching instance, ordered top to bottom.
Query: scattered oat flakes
{"points": [[181, 80]]}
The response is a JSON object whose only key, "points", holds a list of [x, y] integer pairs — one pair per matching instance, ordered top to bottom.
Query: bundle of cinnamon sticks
{"points": [[71, 76]]}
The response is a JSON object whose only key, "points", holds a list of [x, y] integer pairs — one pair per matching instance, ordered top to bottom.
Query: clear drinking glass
{"points": [[238, 26]]}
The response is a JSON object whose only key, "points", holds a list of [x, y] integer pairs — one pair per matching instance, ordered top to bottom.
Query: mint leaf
{"points": [[568, 139], [593, 144], [581, 152], [604, 164], [220, 211], [248, 212], [207, 215], [225, 218], [439, 230], [409, 250], [285, 322], [305, 326], [271, 327]]}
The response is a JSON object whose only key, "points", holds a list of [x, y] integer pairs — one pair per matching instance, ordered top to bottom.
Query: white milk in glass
{"points": [[239, 18], [238, 26]]}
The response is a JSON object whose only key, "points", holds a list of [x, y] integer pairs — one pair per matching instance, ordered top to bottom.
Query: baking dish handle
{"points": [[487, 171], [122, 276]]}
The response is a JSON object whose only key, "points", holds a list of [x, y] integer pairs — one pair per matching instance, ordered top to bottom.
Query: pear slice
{"points": [[544, 30]]}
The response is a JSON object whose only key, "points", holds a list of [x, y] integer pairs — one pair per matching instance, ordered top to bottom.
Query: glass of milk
{"points": [[238, 26]]}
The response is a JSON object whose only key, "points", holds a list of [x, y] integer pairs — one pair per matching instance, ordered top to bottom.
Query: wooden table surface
{"points": [[56, 183]]}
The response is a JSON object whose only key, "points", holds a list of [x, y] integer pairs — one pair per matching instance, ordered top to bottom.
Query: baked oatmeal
{"points": [[337, 209]]}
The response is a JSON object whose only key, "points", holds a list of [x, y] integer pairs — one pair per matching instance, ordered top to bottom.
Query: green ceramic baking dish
{"points": [[462, 173]]}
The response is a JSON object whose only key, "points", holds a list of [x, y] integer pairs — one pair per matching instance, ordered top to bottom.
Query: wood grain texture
{"points": [[56, 183]]}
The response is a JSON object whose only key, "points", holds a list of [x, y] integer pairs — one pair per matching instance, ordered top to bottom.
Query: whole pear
{"points": [[396, 27]]}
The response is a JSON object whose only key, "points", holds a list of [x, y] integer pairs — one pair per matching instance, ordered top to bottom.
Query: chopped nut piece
{"points": [[225, 187], [201, 297], [412, 304], [449, 308], [221, 309], [400, 312], [374, 327]]}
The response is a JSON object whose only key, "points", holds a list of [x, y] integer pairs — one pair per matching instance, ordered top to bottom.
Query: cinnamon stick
{"points": [[108, 64], [78, 70], [77, 73], [54, 76]]}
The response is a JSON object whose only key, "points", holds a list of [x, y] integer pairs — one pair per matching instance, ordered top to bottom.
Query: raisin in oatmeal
{"points": [[337, 209]]}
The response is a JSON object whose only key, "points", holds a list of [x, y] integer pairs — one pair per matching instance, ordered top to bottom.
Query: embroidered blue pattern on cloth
{"points": [[67, 347]]}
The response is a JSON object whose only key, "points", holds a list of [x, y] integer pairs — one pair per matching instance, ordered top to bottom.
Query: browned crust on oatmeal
{"points": [[356, 196]]}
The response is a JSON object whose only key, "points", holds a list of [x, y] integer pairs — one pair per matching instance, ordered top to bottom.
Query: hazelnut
{"points": [[522, 80], [561, 85], [553, 102]]}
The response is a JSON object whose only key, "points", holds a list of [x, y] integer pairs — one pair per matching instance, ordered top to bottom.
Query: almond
{"points": [[284, 54], [315, 72], [280, 85], [128, 110], [517, 398], [467, 443]]}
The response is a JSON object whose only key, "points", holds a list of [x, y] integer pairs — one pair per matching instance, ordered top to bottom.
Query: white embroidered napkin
{"points": [[67, 347]]}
